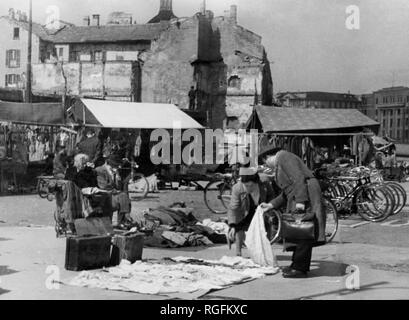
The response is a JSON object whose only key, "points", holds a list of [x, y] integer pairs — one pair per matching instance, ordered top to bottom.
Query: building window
{"points": [[16, 33], [60, 52], [73, 56], [98, 56], [85, 57], [13, 58], [12, 80], [234, 82], [399, 98], [377, 101], [398, 112], [398, 122], [384, 123], [391, 123], [398, 134]]}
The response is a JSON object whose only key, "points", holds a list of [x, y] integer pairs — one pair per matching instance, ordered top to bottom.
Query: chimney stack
{"points": [[165, 5], [203, 7], [12, 14], [233, 14], [95, 18], [86, 21]]}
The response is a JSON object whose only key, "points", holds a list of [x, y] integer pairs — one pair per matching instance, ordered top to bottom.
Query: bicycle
{"points": [[134, 183], [217, 193], [373, 202]]}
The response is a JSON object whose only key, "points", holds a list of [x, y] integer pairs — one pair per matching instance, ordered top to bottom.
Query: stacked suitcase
{"points": [[97, 246]]}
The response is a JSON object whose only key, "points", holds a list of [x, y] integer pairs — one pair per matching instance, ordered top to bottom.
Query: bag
{"points": [[294, 229], [257, 242]]}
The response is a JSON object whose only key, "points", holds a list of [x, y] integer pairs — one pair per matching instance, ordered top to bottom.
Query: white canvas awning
{"points": [[128, 115]]}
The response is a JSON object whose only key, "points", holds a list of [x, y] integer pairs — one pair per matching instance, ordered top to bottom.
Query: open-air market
{"points": [[175, 150]]}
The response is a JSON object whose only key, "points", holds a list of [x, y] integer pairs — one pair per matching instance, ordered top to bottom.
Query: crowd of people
{"points": [[90, 169]]}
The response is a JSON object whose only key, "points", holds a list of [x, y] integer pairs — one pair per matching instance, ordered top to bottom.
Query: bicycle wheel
{"points": [[137, 187], [400, 193], [217, 196], [374, 203], [331, 212], [272, 222]]}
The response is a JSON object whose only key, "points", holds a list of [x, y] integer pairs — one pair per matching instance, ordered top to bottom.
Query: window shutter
{"points": [[8, 58], [18, 58]]}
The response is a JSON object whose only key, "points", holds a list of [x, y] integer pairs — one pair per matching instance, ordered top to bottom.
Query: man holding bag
{"points": [[301, 193]]}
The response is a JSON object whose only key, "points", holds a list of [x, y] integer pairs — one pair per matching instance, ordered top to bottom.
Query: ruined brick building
{"points": [[160, 61]]}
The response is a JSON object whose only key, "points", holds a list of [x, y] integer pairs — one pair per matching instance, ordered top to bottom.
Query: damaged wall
{"points": [[187, 54], [249, 79], [100, 80]]}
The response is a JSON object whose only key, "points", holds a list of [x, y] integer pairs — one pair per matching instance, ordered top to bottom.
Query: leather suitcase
{"points": [[127, 247], [86, 253]]}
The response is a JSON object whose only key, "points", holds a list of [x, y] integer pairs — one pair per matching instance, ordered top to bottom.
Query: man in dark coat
{"points": [[91, 146], [300, 192]]}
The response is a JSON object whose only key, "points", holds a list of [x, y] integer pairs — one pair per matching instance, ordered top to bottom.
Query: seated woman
{"points": [[84, 176], [107, 181], [252, 190]]}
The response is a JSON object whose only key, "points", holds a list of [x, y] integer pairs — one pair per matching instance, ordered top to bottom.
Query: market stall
{"points": [[116, 120], [29, 133], [315, 133]]}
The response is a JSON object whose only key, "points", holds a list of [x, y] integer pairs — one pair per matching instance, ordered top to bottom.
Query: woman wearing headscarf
{"points": [[300, 192], [247, 194]]}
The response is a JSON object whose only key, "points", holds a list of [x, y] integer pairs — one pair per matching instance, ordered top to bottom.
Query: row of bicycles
{"points": [[346, 192]]}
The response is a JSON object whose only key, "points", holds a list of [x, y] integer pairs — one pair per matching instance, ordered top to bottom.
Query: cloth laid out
{"points": [[176, 226], [218, 227], [190, 239], [257, 242], [166, 278]]}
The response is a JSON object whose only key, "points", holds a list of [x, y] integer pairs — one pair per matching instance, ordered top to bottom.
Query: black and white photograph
{"points": [[210, 151]]}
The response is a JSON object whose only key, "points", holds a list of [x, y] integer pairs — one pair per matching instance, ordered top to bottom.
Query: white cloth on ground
{"points": [[257, 242], [165, 278]]}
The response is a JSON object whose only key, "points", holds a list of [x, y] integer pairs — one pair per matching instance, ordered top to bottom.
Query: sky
{"points": [[307, 41]]}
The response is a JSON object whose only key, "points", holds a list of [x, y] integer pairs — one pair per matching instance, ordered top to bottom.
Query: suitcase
{"points": [[127, 247], [86, 253]]}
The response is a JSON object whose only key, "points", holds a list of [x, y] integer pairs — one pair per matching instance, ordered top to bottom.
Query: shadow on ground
{"points": [[5, 271], [3, 291], [345, 291]]}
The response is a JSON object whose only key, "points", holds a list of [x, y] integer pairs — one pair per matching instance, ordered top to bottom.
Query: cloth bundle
{"points": [[257, 242]]}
